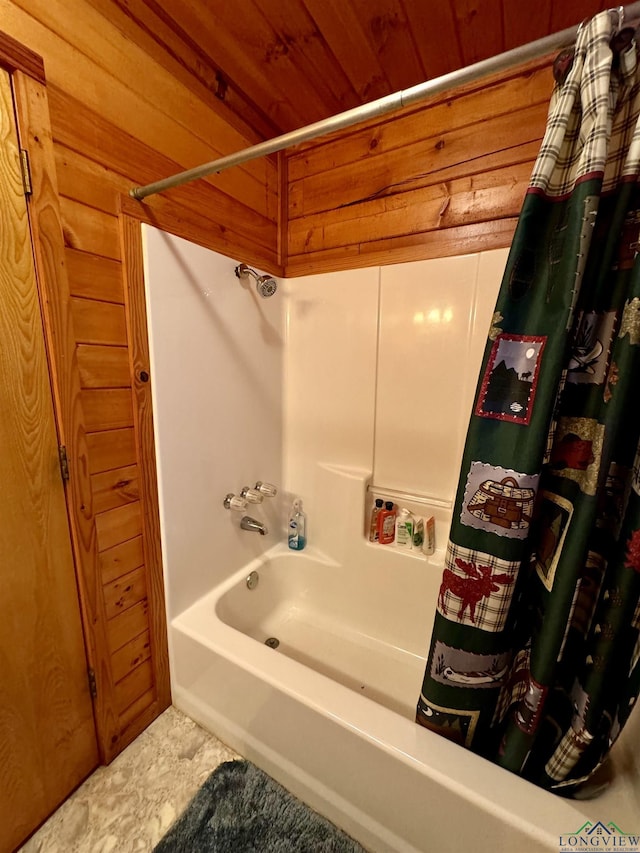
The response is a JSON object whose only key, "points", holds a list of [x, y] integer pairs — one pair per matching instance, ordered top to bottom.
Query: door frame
{"points": [[35, 136]]}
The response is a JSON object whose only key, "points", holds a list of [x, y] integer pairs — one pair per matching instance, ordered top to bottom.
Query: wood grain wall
{"points": [[118, 118], [440, 179]]}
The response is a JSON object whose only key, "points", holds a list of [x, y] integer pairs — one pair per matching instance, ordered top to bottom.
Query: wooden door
{"points": [[47, 732]]}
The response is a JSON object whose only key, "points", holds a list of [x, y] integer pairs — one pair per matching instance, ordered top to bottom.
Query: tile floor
{"points": [[129, 805]]}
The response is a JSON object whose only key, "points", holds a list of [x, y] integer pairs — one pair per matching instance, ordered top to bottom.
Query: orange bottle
{"points": [[387, 524]]}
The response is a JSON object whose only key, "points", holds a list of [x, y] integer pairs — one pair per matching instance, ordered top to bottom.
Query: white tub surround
{"points": [[217, 367], [375, 372]]}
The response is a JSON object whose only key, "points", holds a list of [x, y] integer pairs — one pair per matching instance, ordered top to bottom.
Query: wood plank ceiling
{"points": [[275, 65]]}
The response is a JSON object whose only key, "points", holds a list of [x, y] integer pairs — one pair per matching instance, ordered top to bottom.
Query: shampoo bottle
{"points": [[373, 523], [387, 524], [297, 527], [404, 529]]}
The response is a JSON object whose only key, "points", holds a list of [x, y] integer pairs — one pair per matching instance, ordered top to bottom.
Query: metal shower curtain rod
{"points": [[387, 104]]}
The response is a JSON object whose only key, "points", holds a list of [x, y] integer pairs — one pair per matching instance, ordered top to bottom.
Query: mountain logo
{"points": [[600, 836]]}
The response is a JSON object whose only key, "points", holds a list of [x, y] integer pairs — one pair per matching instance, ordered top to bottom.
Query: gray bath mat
{"points": [[240, 809]]}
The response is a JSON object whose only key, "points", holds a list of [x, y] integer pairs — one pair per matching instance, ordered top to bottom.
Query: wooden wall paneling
{"points": [[15, 56], [183, 57], [259, 67], [470, 105], [153, 106], [421, 159], [87, 181], [427, 182], [98, 185], [483, 197], [228, 223], [46, 224], [89, 230], [212, 234], [441, 243], [94, 277], [136, 312], [97, 322], [103, 367], [107, 408], [115, 448], [114, 488], [117, 525], [120, 559], [124, 592], [126, 626], [132, 654], [139, 682], [143, 711]]}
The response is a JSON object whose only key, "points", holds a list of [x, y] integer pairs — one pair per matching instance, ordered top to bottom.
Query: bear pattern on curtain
{"points": [[535, 653]]}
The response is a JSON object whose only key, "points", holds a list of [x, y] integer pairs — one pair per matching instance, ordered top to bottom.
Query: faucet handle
{"points": [[266, 489], [252, 495], [235, 502]]}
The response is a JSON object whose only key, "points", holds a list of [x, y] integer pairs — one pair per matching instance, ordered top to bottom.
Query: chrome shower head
{"points": [[265, 285]]}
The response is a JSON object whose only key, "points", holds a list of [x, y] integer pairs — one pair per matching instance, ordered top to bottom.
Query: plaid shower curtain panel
{"points": [[535, 652]]}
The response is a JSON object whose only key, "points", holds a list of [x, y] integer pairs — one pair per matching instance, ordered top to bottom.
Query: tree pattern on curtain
{"points": [[535, 653]]}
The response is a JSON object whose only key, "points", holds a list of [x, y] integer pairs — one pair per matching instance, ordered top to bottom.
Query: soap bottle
{"points": [[387, 524], [297, 527], [404, 529], [374, 533]]}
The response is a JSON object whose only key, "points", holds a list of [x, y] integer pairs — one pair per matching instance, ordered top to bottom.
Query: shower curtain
{"points": [[535, 653]]}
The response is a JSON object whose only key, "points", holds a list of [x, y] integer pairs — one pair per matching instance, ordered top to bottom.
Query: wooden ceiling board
{"points": [[571, 12], [149, 27], [388, 29], [480, 29], [520, 29], [343, 30], [435, 36], [230, 52], [311, 54], [287, 63], [281, 66]]}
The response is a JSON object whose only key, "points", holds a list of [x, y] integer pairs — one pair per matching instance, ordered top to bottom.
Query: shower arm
{"points": [[382, 106]]}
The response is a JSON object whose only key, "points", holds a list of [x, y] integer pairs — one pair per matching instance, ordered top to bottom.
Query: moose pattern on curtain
{"points": [[535, 653]]}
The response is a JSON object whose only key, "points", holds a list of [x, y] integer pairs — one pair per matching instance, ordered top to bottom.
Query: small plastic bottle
{"points": [[373, 523], [387, 524], [297, 527], [404, 529], [418, 534], [429, 544]]}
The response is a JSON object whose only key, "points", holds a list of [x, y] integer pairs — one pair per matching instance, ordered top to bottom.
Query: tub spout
{"points": [[249, 523]]}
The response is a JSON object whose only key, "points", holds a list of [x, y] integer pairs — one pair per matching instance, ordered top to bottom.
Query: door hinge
{"points": [[26, 171], [64, 462], [92, 683]]}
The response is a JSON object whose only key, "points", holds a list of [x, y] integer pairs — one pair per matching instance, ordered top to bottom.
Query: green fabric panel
{"points": [[534, 656]]}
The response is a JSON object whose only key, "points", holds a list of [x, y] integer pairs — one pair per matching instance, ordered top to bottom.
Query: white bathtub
{"points": [[330, 712]]}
